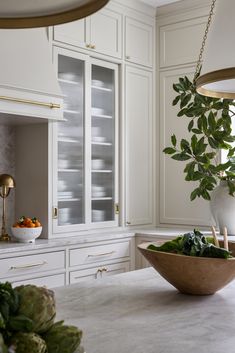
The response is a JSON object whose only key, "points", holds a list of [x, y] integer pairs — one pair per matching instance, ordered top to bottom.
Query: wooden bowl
{"points": [[191, 274]]}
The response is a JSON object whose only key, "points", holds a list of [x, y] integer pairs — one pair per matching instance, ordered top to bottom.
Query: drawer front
{"points": [[98, 253], [23, 265], [98, 272], [48, 281]]}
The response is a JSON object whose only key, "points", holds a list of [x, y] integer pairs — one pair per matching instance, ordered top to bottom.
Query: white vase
{"points": [[223, 208]]}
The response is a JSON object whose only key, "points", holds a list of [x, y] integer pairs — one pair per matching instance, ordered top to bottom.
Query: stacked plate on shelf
{"points": [[98, 191], [98, 215]]}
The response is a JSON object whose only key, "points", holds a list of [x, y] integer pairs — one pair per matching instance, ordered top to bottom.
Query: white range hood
{"points": [[28, 82]]}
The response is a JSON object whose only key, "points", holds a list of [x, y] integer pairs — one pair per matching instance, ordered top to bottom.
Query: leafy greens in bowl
{"points": [[192, 244]]}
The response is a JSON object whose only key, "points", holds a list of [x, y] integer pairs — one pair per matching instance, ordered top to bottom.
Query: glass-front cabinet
{"points": [[85, 158]]}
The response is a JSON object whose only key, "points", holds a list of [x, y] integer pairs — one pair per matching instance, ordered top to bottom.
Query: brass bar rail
{"points": [[27, 101]]}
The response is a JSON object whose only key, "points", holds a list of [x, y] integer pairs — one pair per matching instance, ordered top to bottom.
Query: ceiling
{"points": [[157, 3]]}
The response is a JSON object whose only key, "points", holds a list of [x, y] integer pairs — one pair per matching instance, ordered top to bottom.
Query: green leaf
{"points": [[176, 100], [185, 100], [190, 125], [197, 131], [173, 140], [213, 143], [169, 150], [181, 157], [194, 194], [205, 194], [20, 323]]}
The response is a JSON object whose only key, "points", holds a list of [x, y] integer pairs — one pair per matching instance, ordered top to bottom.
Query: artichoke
{"points": [[38, 304], [62, 339], [28, 342]]}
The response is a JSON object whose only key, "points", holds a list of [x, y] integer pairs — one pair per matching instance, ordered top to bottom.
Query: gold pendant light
{"points": [[44, 13], [217, 76]]}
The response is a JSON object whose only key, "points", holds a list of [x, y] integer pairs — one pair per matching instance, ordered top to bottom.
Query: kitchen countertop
{"points": [[40, 244], [139, 312]]}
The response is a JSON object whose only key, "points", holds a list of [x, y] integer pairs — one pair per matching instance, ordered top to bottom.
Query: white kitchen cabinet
{"points": [[101, 32], [75, 33], [139, 42], [176, 44], [139, 146], [85, 160], [175, 204], [42, 267], [98, 272]]}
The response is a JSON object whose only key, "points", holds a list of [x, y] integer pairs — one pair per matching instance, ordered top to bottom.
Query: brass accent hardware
{"points": [[82, 9], [88, 45], [92, 46], [27, 101], [6, 184], [117, 210], [55, 213], [128, 223], [104, 254], [21, 267], [104, 269]]}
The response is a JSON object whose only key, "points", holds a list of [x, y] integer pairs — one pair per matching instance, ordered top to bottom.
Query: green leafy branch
{"points": [[210, 126]]}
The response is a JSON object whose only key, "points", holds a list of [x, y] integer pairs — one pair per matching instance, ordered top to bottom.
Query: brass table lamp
{"points": [[6, 184]]}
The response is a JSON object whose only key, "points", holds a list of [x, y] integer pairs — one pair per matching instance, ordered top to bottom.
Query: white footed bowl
{"points": [[26, 235]]}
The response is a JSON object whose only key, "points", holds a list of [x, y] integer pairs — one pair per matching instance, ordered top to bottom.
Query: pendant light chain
{"points": [[199, 62]]}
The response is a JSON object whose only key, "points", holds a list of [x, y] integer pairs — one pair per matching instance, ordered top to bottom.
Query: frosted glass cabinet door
{"points": [[103, 141], [69, 143], [85, 174]]}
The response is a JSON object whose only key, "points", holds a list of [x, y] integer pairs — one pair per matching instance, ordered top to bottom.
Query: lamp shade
{"points": [[43, 13], [217, 77], [7, 181]]}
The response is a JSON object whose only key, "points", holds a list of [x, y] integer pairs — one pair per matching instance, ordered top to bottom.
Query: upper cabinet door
{"points": [[75, 33], [106, 33], [139, 42]]}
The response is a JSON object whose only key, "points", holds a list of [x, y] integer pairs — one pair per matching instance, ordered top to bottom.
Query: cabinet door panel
{"points": [[106, 32], [76, 33], [139, 42], [176, 44], [138, 146], [175, 204]]}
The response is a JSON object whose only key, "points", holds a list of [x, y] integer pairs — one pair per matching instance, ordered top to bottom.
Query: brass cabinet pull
{"points": [[88, 45], [92, 46], [27, 101], [55, 213], [128, 223], [104, 254], [21, 267], [104, 269]]}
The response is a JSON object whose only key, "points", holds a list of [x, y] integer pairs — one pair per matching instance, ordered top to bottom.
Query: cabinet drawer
{"points": [[98, 253], [23, 265], [98, 272], [48, 281]]}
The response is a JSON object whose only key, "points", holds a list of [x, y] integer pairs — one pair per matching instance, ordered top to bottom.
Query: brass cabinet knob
{"points": [[88, 45], [92, 46], [128, 57], [128, 223]]}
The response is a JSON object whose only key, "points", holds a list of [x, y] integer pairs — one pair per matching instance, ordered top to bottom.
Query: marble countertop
{"points": [[8, 248], [139, 312]]}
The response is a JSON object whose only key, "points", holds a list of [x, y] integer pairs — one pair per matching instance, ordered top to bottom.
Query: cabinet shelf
{"points": [[61, 80], [102, 89], [71, 112], [102, 116], [68, 140], [101, 143], [69, 170], [102, 171], [101, 198], [69, 200]]}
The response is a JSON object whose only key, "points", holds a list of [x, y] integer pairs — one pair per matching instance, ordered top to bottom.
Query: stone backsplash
{"points": [[7, 166]]}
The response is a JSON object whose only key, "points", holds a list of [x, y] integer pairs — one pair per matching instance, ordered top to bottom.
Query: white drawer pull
{"points": [[104, 254], [21, 267]]}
